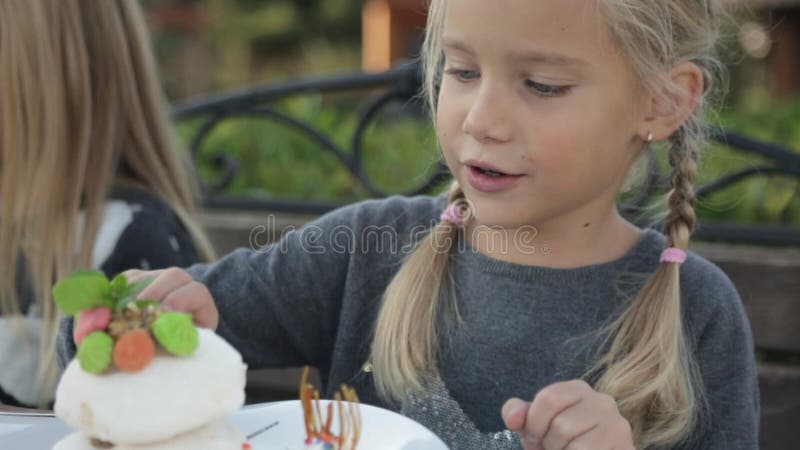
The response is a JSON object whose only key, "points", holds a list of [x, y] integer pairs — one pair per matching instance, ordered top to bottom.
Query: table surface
{"points": [[14, 409], [382, 429], [30, 430]]}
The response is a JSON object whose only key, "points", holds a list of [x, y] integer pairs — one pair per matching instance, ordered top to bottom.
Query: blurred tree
{"points": [[223, 44]]}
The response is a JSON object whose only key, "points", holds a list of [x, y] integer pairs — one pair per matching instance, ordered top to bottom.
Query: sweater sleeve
{"points": [[315, 290], [279, 305], [728, 368]]}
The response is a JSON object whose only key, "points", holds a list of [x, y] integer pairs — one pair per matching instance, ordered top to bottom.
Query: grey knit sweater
{"points": [[312, 298]]}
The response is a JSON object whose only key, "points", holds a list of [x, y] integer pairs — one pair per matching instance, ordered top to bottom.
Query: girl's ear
{"points": [[669, 109]]}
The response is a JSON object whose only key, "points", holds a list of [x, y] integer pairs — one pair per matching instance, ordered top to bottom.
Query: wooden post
{"points": [[390, 31], [785, 53], [186, 68]]}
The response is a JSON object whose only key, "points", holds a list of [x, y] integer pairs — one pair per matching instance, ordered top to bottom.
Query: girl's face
{"points": [[537, 89]]}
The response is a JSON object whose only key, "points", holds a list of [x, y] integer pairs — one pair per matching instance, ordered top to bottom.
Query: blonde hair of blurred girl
{"points": [[80, 110], [647, 369]]}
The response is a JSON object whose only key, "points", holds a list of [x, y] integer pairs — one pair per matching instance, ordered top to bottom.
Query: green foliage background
{"points": [[269, 41]]}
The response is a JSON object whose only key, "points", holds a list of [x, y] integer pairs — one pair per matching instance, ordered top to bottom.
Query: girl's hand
{"points": [[176, 290], [569, 415]]}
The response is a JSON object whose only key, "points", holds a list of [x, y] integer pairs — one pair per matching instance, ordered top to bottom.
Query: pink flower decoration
{"points": [[91, 320]]}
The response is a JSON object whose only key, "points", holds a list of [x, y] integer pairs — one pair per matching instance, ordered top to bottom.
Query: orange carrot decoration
{"points": [[134, 350]]}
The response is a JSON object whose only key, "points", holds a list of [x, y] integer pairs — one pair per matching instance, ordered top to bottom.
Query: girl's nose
{"points": [[487, 119]]}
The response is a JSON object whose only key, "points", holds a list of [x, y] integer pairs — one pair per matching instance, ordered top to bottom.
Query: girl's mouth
{"points": [[490, 172], [489, 180]]}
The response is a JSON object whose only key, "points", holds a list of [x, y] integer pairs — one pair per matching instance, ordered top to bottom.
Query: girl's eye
{"points": [[463, 75], [546, 90]]}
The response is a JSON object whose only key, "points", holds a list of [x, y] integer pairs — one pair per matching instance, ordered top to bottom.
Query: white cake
{"points": [[171, 396], [218, 436]]}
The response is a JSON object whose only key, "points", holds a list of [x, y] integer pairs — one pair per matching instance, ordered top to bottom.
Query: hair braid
{"points": [[683, 153], [648, 368]]}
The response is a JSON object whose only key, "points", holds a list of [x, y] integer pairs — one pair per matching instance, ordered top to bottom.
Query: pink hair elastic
{"points": [[456, 213], [673, 255]]}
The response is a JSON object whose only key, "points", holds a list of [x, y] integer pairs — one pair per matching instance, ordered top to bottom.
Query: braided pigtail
{"points": [[405, 345], [648, 367]]}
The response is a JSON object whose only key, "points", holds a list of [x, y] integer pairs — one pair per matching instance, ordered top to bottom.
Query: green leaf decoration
{"points": [[88, 273], [118, 286], [135, 288], [83, 290], [129, 293], [123, 303], [143, 304], [176, 333], [95, 352]]}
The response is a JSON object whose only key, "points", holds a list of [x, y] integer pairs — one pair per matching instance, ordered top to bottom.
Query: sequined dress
{"points": [[440, 413]]}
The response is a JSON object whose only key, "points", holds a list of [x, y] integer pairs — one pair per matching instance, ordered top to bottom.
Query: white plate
{"points": [[381, 429]]}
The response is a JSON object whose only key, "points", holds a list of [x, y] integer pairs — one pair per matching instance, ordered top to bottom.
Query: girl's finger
{"points": [[137, 275], [165, 282], [194, 298], [552, 401], [515, 413], [572, 422], [605, 435], [589, 439], [530, 443]]}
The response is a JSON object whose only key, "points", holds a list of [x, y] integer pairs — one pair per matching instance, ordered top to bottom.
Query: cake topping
{"points": [[92, 320], [112, 324], [176, 333], [134, 350], [94, 353]]}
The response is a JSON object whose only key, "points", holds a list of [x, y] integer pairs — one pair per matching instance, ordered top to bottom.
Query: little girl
{"points": [[89, 175], [520, 308]]}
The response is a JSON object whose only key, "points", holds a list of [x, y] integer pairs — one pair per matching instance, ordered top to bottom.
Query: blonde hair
{"points": [[81, 111], [647, 366]]}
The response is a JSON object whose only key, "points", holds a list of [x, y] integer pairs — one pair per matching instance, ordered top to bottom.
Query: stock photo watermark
{"points": [[313, 238]]}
